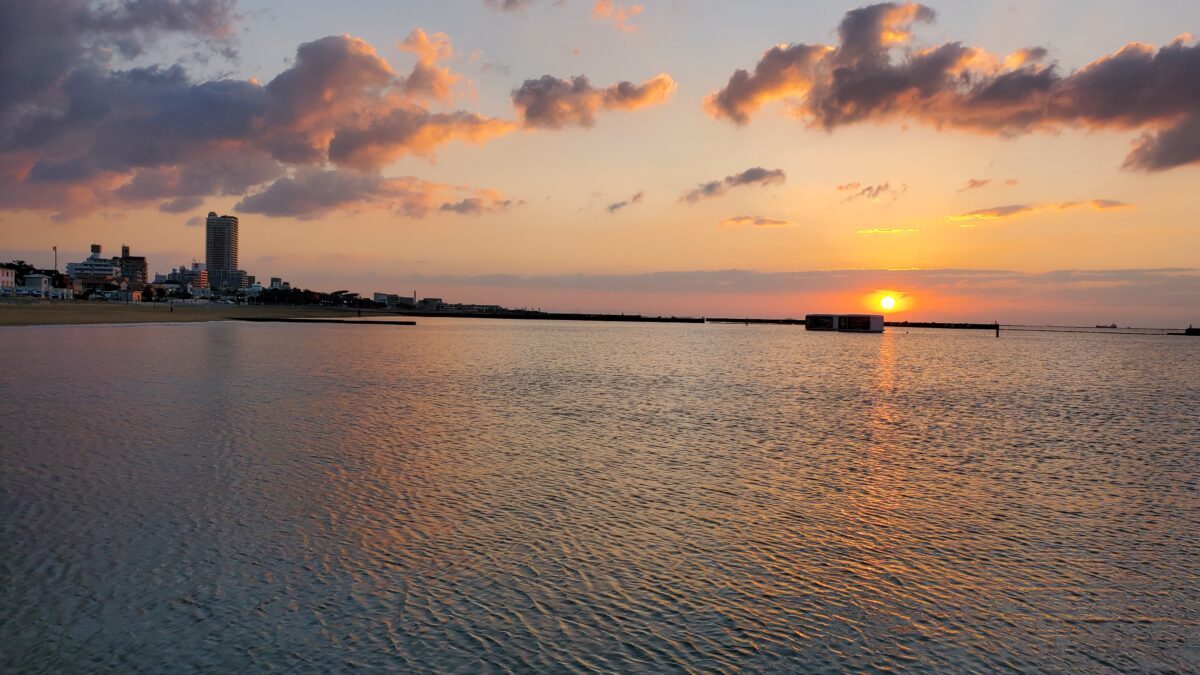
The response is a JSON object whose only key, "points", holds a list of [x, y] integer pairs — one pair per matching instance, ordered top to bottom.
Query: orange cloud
{"points": [[619, 15], [428, 48], [874, 73], [427, 79], [551, 103], [410, 130], [159, 135]]}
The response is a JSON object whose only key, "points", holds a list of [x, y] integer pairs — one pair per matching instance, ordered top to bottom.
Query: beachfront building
{"points": [[221, 253], [134, 270], [95, 271], [184, 278], [8, 279], [37, 284], [394, 301]]}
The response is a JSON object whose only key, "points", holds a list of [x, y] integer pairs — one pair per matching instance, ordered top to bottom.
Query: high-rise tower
{"points": [[221, 252]]}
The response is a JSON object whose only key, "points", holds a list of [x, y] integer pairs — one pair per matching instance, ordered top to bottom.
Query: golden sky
{"points": [[1020, 161]]}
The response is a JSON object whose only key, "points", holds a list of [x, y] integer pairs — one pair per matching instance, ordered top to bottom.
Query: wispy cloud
{"points": [[509, 5], [618, 15], [753, 176], [976, 183], [853, 185], [311, 193], [876, 193], [486, 201], [617, 206], [1015, 210], [753, 221], [889, 230]]}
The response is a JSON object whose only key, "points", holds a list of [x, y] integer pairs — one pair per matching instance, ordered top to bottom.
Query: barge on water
{"points": [[845, 323]]}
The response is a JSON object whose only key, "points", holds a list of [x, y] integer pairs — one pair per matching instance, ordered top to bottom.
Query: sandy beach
{"points": [[80, 312]]}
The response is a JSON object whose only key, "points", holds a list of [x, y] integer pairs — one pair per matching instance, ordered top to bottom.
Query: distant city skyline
{"points": [[1017, 161]]}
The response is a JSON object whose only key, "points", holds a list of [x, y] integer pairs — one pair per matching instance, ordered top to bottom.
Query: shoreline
{"points": [[82, 312], [86, 313]]}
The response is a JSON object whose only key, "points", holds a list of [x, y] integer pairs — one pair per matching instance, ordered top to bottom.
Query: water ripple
{"points": [[503, 497]]}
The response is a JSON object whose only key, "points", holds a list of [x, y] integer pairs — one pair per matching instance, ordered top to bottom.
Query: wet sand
{"points": [[80, 312]]}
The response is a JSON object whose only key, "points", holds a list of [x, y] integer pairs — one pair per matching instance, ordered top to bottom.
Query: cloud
{"points": [[508, 5], [619, 15], [42, 42], [876, 73], [427, 80], [551, 103], [80, 129], [410, 130], [212, 174], [753, 176], [975, 183], [849, 186], [312, 192], [875, 193], [489, 201], [617, 206], [1014, 210], [194, 221], [753, 221], [888, 230], [1085, 295]]}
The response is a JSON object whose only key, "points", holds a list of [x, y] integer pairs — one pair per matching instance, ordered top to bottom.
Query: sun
{"points": [[887, 302]]}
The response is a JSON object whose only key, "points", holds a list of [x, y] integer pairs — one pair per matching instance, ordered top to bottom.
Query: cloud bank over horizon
{"points": [[1155, 297]]}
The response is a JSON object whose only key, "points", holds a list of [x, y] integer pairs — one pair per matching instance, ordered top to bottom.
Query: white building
{"points": [[95, 270], [8, 280], [40, 284]]}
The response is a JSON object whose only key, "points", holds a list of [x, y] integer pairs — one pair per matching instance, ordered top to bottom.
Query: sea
{"points": [[470, 495]]}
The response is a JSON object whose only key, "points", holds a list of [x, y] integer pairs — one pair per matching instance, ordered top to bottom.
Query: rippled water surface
{"points": [[495, 496]]}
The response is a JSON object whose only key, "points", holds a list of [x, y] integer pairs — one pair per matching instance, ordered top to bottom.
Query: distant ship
{"points": [[1113, 325]]}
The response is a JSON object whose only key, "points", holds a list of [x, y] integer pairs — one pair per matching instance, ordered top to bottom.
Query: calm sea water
{"points": [[509, 496]]}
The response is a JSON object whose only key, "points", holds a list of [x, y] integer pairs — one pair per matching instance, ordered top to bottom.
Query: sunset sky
{"points": [[1014, 160]]}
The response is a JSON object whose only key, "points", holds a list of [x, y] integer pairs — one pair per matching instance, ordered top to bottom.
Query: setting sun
{"points": [[887, 302]]}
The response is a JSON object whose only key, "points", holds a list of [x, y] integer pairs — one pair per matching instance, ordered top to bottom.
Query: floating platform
{"points": [[845, 323]]}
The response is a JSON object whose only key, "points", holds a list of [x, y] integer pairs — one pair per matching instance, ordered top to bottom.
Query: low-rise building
{"points": [[134, 270], [94, 271], [8, 279], [38, 284]]}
